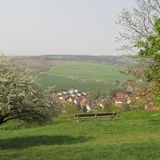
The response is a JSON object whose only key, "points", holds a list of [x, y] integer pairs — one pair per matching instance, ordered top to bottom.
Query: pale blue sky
{"points": [[36, 27]]}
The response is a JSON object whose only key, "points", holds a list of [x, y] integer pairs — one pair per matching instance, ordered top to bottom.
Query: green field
{"points": [[82, 75], [66, 83], [132, 136]]}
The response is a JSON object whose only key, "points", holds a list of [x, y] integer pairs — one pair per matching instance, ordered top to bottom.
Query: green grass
{"points": [[90, 71], [82, 75], [65, 83], [132, 136]]}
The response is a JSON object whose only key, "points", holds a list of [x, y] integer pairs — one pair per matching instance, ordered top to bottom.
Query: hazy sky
{"points": [[36, 27]]}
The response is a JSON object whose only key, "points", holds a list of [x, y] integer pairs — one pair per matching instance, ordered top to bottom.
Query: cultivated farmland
{"points": [[82, 75]]}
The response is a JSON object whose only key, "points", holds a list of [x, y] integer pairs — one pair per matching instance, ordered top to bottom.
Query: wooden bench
{"points": [[95, 115]]}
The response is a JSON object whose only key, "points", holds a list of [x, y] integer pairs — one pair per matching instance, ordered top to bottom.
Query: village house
{"points": [[74, 96], [121, 99]]}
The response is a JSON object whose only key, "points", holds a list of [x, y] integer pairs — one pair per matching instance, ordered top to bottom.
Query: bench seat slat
{"points": [[97, 115]]}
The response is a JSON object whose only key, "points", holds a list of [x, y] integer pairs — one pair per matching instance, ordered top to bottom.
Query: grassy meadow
{"points": [[82, 75], [132, 136]]}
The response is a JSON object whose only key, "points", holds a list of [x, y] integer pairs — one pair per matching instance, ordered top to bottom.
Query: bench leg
{"points": [[95, 117], [77, 118]]}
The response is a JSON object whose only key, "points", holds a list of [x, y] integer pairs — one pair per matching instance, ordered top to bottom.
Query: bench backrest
{"points": [[96, 114], [105, 114], [85, 115]]}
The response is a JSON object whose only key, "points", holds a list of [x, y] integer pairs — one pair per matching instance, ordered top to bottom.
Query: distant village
{"points": [[81, 99]]}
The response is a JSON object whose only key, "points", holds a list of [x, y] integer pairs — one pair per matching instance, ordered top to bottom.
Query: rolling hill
{"points": [[82, 75]]}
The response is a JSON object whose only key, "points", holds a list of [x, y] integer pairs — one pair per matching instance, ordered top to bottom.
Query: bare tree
{"points": [[137, 23]]}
